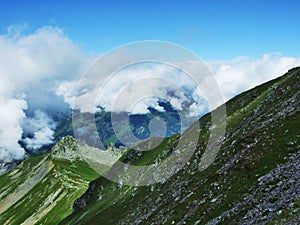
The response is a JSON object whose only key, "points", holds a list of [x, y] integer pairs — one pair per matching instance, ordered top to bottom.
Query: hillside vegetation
{"points": [[253, 179]]}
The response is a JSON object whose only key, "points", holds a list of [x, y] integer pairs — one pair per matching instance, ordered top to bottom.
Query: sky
{"points": [[214, 29], [46, 46]]}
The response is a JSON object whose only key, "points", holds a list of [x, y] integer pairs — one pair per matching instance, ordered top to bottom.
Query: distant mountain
{"points": [[138, 124], [254, 178]]}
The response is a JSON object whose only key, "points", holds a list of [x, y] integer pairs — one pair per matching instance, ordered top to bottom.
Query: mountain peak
{"points": [[66, 148]]}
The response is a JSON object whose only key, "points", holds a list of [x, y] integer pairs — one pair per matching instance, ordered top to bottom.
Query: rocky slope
{"points": [[253, 180]]}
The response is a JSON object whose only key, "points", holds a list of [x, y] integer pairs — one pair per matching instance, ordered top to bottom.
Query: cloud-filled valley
{"points": [[40, 71]]}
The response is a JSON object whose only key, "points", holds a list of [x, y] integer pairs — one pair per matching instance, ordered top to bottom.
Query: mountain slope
{"points": [[253, 180], [42, 189]]}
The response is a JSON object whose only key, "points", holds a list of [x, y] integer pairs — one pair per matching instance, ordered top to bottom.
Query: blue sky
{"points": [[215, 30]]}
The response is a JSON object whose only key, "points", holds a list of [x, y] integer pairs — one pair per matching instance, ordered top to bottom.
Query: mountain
{"points": [[138, 124], [252, 180], [42, 189]]}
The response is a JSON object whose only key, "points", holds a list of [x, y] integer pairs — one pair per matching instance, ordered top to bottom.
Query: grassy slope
{"points": [[260, 124], [42, 190]]}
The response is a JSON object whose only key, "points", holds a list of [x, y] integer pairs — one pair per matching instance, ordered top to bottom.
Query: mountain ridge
{"points": [[253, 146], [252, 180], [43, 184]]}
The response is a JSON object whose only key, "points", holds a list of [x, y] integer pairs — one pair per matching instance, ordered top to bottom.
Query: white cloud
{"points": [[31, 68], [243, 73], [130, 88], [133, 89], [11, 116], [40, 128]]}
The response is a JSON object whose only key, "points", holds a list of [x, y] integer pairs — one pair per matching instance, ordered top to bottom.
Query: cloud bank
{"points": [[31, 68], [40, 71], [243, 73], [136, 84], [136, 88], [38, 130]]}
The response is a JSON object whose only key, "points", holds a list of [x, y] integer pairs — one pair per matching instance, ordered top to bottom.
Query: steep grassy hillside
{"points": [[253, 180], [42, 189]]}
